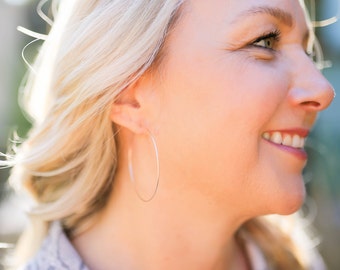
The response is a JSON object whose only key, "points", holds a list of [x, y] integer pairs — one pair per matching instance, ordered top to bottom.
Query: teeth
{"points": [[266, 135], [276, 137], [287, 140], [296, 141], [302, 143]]}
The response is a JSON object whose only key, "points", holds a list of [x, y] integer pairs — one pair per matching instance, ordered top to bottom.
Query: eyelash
{"points": [[275, 35]]}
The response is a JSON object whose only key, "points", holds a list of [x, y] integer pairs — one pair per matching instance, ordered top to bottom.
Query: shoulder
{"points": [[56, 252]]}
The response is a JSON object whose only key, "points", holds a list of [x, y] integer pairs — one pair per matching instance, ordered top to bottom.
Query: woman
{"points": [[165, 131]]}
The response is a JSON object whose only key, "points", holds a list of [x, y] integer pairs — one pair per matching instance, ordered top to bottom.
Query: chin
{"points": [[288, 196], [290, 202]]}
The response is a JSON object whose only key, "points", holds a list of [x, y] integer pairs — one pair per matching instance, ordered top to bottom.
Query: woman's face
{"points": [[239, 94]]}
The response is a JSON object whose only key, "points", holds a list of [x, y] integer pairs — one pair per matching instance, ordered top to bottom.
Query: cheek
{"points": [[263, 90], [215, 111], [212, 118]]}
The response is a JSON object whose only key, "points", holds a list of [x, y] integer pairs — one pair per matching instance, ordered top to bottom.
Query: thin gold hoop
{"points": [[132, 175]]}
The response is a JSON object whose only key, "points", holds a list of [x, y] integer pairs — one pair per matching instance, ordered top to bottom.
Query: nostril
{"points": [[312, 95], [311, 104]]}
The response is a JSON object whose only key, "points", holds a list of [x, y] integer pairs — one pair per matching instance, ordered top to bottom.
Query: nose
{"points": [[310, 89]]}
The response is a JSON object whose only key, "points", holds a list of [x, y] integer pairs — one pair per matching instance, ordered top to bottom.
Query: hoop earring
{"points": [[132, 175]]}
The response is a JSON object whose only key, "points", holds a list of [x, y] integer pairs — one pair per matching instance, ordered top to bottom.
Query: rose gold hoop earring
{"points": [[132, 175]]}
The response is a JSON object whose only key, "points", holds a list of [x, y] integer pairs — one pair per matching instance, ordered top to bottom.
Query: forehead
{"points": [[229, 11], [225, 17]]}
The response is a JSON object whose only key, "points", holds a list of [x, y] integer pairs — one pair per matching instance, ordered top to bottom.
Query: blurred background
{"points": [[322, 173]]}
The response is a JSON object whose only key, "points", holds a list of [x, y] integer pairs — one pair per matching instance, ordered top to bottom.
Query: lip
{"points": [[299, 153]]}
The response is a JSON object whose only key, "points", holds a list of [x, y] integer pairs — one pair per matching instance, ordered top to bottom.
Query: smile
{"points": [[281, 138]]}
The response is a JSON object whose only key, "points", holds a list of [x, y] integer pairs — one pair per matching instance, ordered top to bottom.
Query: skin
{"points": [[208, 105]]}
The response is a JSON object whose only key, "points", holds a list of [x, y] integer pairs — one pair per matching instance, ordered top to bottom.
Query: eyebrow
{"points": [[280, 14], [283, 16]]}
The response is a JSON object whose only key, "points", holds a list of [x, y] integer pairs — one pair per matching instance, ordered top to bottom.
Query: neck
{"points": [[165, 233]]}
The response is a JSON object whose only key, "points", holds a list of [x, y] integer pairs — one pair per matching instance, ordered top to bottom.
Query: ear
{"points": [[128, 109]]}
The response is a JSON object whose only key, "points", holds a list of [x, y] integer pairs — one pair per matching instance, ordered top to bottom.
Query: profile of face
{"points": [[234, 100]]}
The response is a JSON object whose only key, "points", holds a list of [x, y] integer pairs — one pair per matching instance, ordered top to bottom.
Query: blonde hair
{"points": [[94, 50]]}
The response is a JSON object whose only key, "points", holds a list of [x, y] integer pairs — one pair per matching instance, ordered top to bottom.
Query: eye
{"points": [[267, 41]]}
